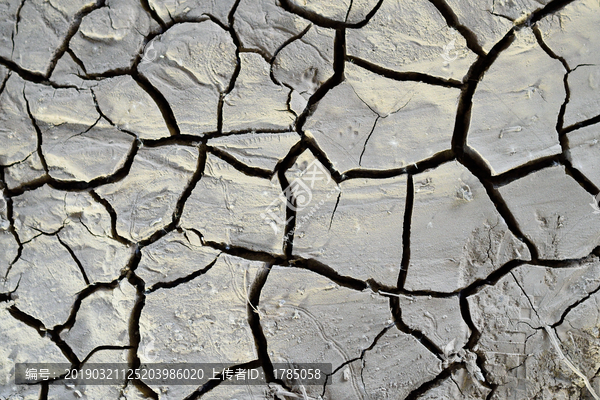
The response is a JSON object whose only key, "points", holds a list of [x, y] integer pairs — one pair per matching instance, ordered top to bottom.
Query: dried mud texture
{"points": [[408, 191]]}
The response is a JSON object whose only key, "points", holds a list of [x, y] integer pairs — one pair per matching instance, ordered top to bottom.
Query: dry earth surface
{"points": [[403, 189]]}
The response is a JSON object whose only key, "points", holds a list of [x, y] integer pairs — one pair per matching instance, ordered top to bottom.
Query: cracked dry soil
{"points": [[401, 188]]}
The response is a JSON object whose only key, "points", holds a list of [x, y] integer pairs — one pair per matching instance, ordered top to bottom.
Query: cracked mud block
{"points": [[191, 10], [9, 11], [345, 11], [575, 23], [264, 26], [489, 27], [42, 28], [417, 34], [111, 37], [306, 62], [191, 65], [68, 72], [584, 96], [256, 103], [130, 108], [382, 123], [521, 128], [18, 135], [77, 142], [258, 150], [584, 151], [24, 172], [147, 197], [226, 207], [549, 207], [46, 210], [30, 221], [354, 228], [457, 236], [174, 257], [102, 258], [48, 280], [510, 316], [307, 318], [439, 319], [102, 320], [200, 321], [580, 340], [20, 344], [385, 374], [460, 386], [75, 391]]}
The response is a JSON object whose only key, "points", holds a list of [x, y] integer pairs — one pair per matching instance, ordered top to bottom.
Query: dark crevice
{"points": [[550, 8], [152, 12], [77, 20], [325, 22], [453, 22], [16, 30], [283, 46], [339, 57], [76, 60], [237, 69], [29, 76], [405, 76], [472, 79], [160, 100], [581, 124], [245, 131], [38, 132], [362, 153], [320, 155], [288, 161], [240, 166], [420, 166], [522, 170], [577, 175], [196, 176], [337, 203], [500, 205], [290, 210], [408, 210], [113, 218], [247, 254], [74, 257], [328, 272], [492, 278], [182, 280], [85, 293], [527, 297], [573, 306], [465, 312], [254, 321], [134, 323], [403, 327], [43, 332], [103, 347], [435, 382], [211, 384], [44, 390]]}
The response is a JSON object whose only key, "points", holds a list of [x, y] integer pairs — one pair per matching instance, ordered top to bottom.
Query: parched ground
{"points": [[404, 189]]}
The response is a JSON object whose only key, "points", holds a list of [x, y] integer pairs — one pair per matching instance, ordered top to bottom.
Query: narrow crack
{"points": [[453, 22], [182, 280]]}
